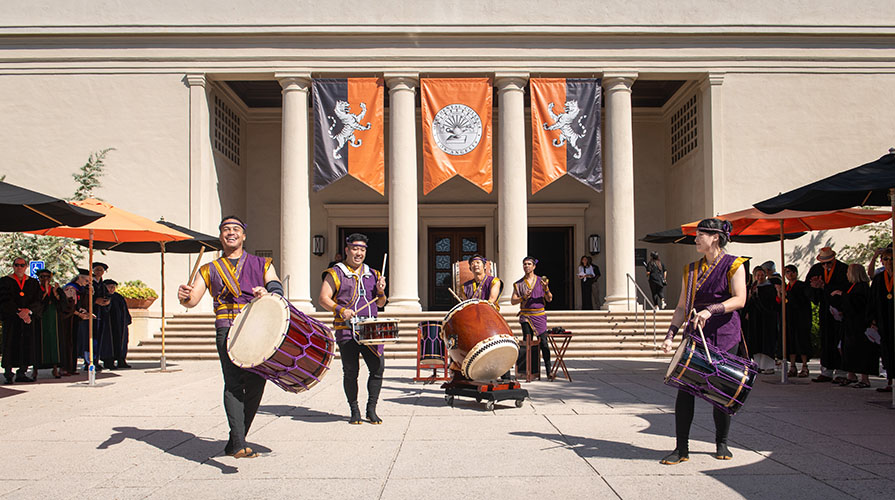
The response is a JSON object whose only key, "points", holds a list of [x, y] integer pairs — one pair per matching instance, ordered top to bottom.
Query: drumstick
{"points": [[384, 261], [196, 266], [455, 294]]}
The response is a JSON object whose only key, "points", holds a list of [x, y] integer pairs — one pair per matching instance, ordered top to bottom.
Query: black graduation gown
{"points": [[880, 312], [120, 317], [798, 320], [102, 326], [830, 329], [68, 333], [763, 333], [18, 336], [859, 354]]}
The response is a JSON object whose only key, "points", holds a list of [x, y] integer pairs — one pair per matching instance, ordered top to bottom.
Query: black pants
{"points": [[657, 290], [587, 297], [528, 333], [351, 351], [242, 395], [683, 418]]}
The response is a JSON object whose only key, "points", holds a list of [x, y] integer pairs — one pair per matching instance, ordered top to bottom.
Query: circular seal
{"points": [[457, 129]]}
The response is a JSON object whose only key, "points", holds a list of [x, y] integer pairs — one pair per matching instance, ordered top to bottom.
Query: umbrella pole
{"points": [[163, 367], [91, 369], [784, 370], [889, 370]]}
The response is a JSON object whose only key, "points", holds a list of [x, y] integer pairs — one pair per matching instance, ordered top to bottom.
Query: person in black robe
{"points": [[828, 275], [19, 308], [763, 310], [880, 316], [120, 318], [69, 319], [798, 321], [81, 325], [102, 325], [46, 330], [860, 356]]}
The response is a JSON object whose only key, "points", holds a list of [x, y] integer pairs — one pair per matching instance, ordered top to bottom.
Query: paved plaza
{"points": [[140, 434]]}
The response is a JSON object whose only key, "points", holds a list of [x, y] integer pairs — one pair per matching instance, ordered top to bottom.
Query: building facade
{"points": [[708, 107]]}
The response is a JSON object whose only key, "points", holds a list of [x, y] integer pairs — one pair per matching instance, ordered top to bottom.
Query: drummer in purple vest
{"points": [[234, 280], [718, 284], [481, 286], [351, 289], [532, 293]]}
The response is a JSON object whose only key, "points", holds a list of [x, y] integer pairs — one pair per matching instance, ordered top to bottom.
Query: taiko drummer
{"points": [[234, 280], [718, 281], [351, 290]]}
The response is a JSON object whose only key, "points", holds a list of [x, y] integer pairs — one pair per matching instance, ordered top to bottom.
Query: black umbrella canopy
{"points": [[865, 185], [26, 210], [677, 236], [198, 242]]}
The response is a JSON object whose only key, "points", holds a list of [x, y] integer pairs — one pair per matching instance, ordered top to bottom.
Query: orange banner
{"points": [[456, 131], [548, 162], [367, 164]]}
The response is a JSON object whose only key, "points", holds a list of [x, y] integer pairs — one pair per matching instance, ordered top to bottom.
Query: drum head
{"points": [[258, 330], [678, 354], [492, 358]]}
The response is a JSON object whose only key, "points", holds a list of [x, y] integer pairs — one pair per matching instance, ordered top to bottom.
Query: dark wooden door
{"points": [[446, 246], [552, 246]]}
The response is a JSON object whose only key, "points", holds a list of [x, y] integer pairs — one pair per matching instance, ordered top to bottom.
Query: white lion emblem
{"points": [[563, 122], [350, 123]]}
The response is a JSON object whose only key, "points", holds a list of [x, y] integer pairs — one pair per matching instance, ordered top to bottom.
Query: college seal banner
{"points": [[456, 131], [565, 131], [348, 136]]}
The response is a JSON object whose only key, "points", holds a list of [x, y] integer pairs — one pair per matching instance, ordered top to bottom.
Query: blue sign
{"points": [[34, 267]]}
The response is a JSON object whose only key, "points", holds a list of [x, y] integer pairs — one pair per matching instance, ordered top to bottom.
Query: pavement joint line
{"points": [[575, 451], [391, 466]]}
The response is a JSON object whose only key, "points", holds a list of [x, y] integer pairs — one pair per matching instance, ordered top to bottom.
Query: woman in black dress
{"points": [[798, 321], [859, 355]]}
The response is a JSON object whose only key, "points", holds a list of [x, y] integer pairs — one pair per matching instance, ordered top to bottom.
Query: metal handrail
{"points": [[286, 285], [646, 300]]}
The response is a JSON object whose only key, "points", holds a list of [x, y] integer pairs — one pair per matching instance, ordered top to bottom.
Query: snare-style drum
{"points": [[375, 330], [479, 340], [280, 343], [431, 346], [724, 382]]}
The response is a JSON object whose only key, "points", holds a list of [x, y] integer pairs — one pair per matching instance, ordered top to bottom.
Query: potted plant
{"points": [[137, 294]]}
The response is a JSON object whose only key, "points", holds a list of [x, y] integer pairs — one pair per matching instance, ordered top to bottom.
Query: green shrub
{"points": [[136, 289]]}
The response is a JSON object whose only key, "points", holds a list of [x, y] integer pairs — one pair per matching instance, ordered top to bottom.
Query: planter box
{"points": [[138, 303]]}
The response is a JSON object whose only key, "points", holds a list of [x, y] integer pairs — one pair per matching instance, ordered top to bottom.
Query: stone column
{"points": [[709, 128], [618, 182], [512, 195], [205, 206], [295, 209], [403, 233]]}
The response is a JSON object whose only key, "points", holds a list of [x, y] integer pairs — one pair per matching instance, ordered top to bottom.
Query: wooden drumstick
{"points": [[384, 262], [196, 266], [455, 294]]}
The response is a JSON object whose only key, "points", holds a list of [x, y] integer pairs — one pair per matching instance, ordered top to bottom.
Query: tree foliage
{"points": [[879, 235], [60, 255]]}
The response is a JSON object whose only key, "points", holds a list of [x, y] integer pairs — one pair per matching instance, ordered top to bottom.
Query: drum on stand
{"points": [[375, 330], [272, 338], [479, 340], [431, 345], [722, 379]]}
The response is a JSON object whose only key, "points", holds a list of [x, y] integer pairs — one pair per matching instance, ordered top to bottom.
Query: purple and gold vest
{"points": [[710, 284], [231, 287], [472, 290], [353, 291], [532, 310]]}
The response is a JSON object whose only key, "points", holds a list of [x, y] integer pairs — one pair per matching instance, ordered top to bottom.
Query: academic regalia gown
{"points": [[880, 312], [120, 318], [798, 320], [830, 329], [18, 336], [859, 354]]}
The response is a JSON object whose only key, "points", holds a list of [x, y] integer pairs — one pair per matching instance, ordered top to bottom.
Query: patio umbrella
{"points": [[869, 184], [26, 210], [753, 221], [116, 226], [677, 236], [197, 243]]}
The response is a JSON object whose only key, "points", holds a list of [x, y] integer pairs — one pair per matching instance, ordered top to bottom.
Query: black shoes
{"points": [[24, 378], [371, 415], [355, 418], [722, 452], [675, 457]]}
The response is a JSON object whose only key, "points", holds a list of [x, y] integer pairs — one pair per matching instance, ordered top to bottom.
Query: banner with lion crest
{"points": [[456, 131], [565, 131], [348, 136]]}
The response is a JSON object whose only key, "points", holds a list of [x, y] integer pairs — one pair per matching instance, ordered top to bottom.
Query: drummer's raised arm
{"points": [[189, 295]]}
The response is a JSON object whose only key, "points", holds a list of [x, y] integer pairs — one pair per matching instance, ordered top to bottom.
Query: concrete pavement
{"points": [[161, 435]]}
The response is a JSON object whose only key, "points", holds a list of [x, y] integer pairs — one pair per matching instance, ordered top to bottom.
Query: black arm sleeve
{"points": [[275, 287]]}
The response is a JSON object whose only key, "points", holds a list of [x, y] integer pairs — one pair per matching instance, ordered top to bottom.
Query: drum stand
{"points": [[419, 366], [489, 391]]}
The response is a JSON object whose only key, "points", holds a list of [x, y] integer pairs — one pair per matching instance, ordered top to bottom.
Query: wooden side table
{"points": [[559, 351]]}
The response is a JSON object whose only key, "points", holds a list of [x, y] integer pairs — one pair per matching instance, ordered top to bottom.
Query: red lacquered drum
{"points": [[375, 330], [479, 340], [280, 343]]}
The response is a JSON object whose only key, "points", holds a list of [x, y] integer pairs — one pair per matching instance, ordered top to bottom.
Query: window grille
{"points": [[227, 126], [683, 130]]}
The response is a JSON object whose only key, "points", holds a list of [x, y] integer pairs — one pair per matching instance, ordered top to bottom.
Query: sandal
{"points": [[792, 372], [803, 373], [847, 382], [861, 385], [887, 388]]}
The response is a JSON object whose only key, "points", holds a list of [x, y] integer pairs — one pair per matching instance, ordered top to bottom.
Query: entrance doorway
{"points": [[446, 246], [552, 246]]}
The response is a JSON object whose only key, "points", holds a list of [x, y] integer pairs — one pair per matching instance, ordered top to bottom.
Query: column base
{"points": [[619, 303], [303, 305], [403, 305], [507, 307]]}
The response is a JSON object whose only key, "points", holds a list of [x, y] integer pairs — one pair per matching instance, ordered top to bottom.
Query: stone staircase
{"points": [[596, 334]]}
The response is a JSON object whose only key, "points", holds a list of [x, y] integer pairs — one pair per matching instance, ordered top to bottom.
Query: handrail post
{"points": [[646, 300]]}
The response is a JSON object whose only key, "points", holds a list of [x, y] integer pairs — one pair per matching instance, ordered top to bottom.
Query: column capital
{"points": [[195, 79], [714, 79], [293, 80], [510, 80], [619, 80], [401, 81]]}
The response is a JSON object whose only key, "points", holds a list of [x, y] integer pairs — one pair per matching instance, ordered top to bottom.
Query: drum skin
{"points": [[374, 331], [479, 340]]}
